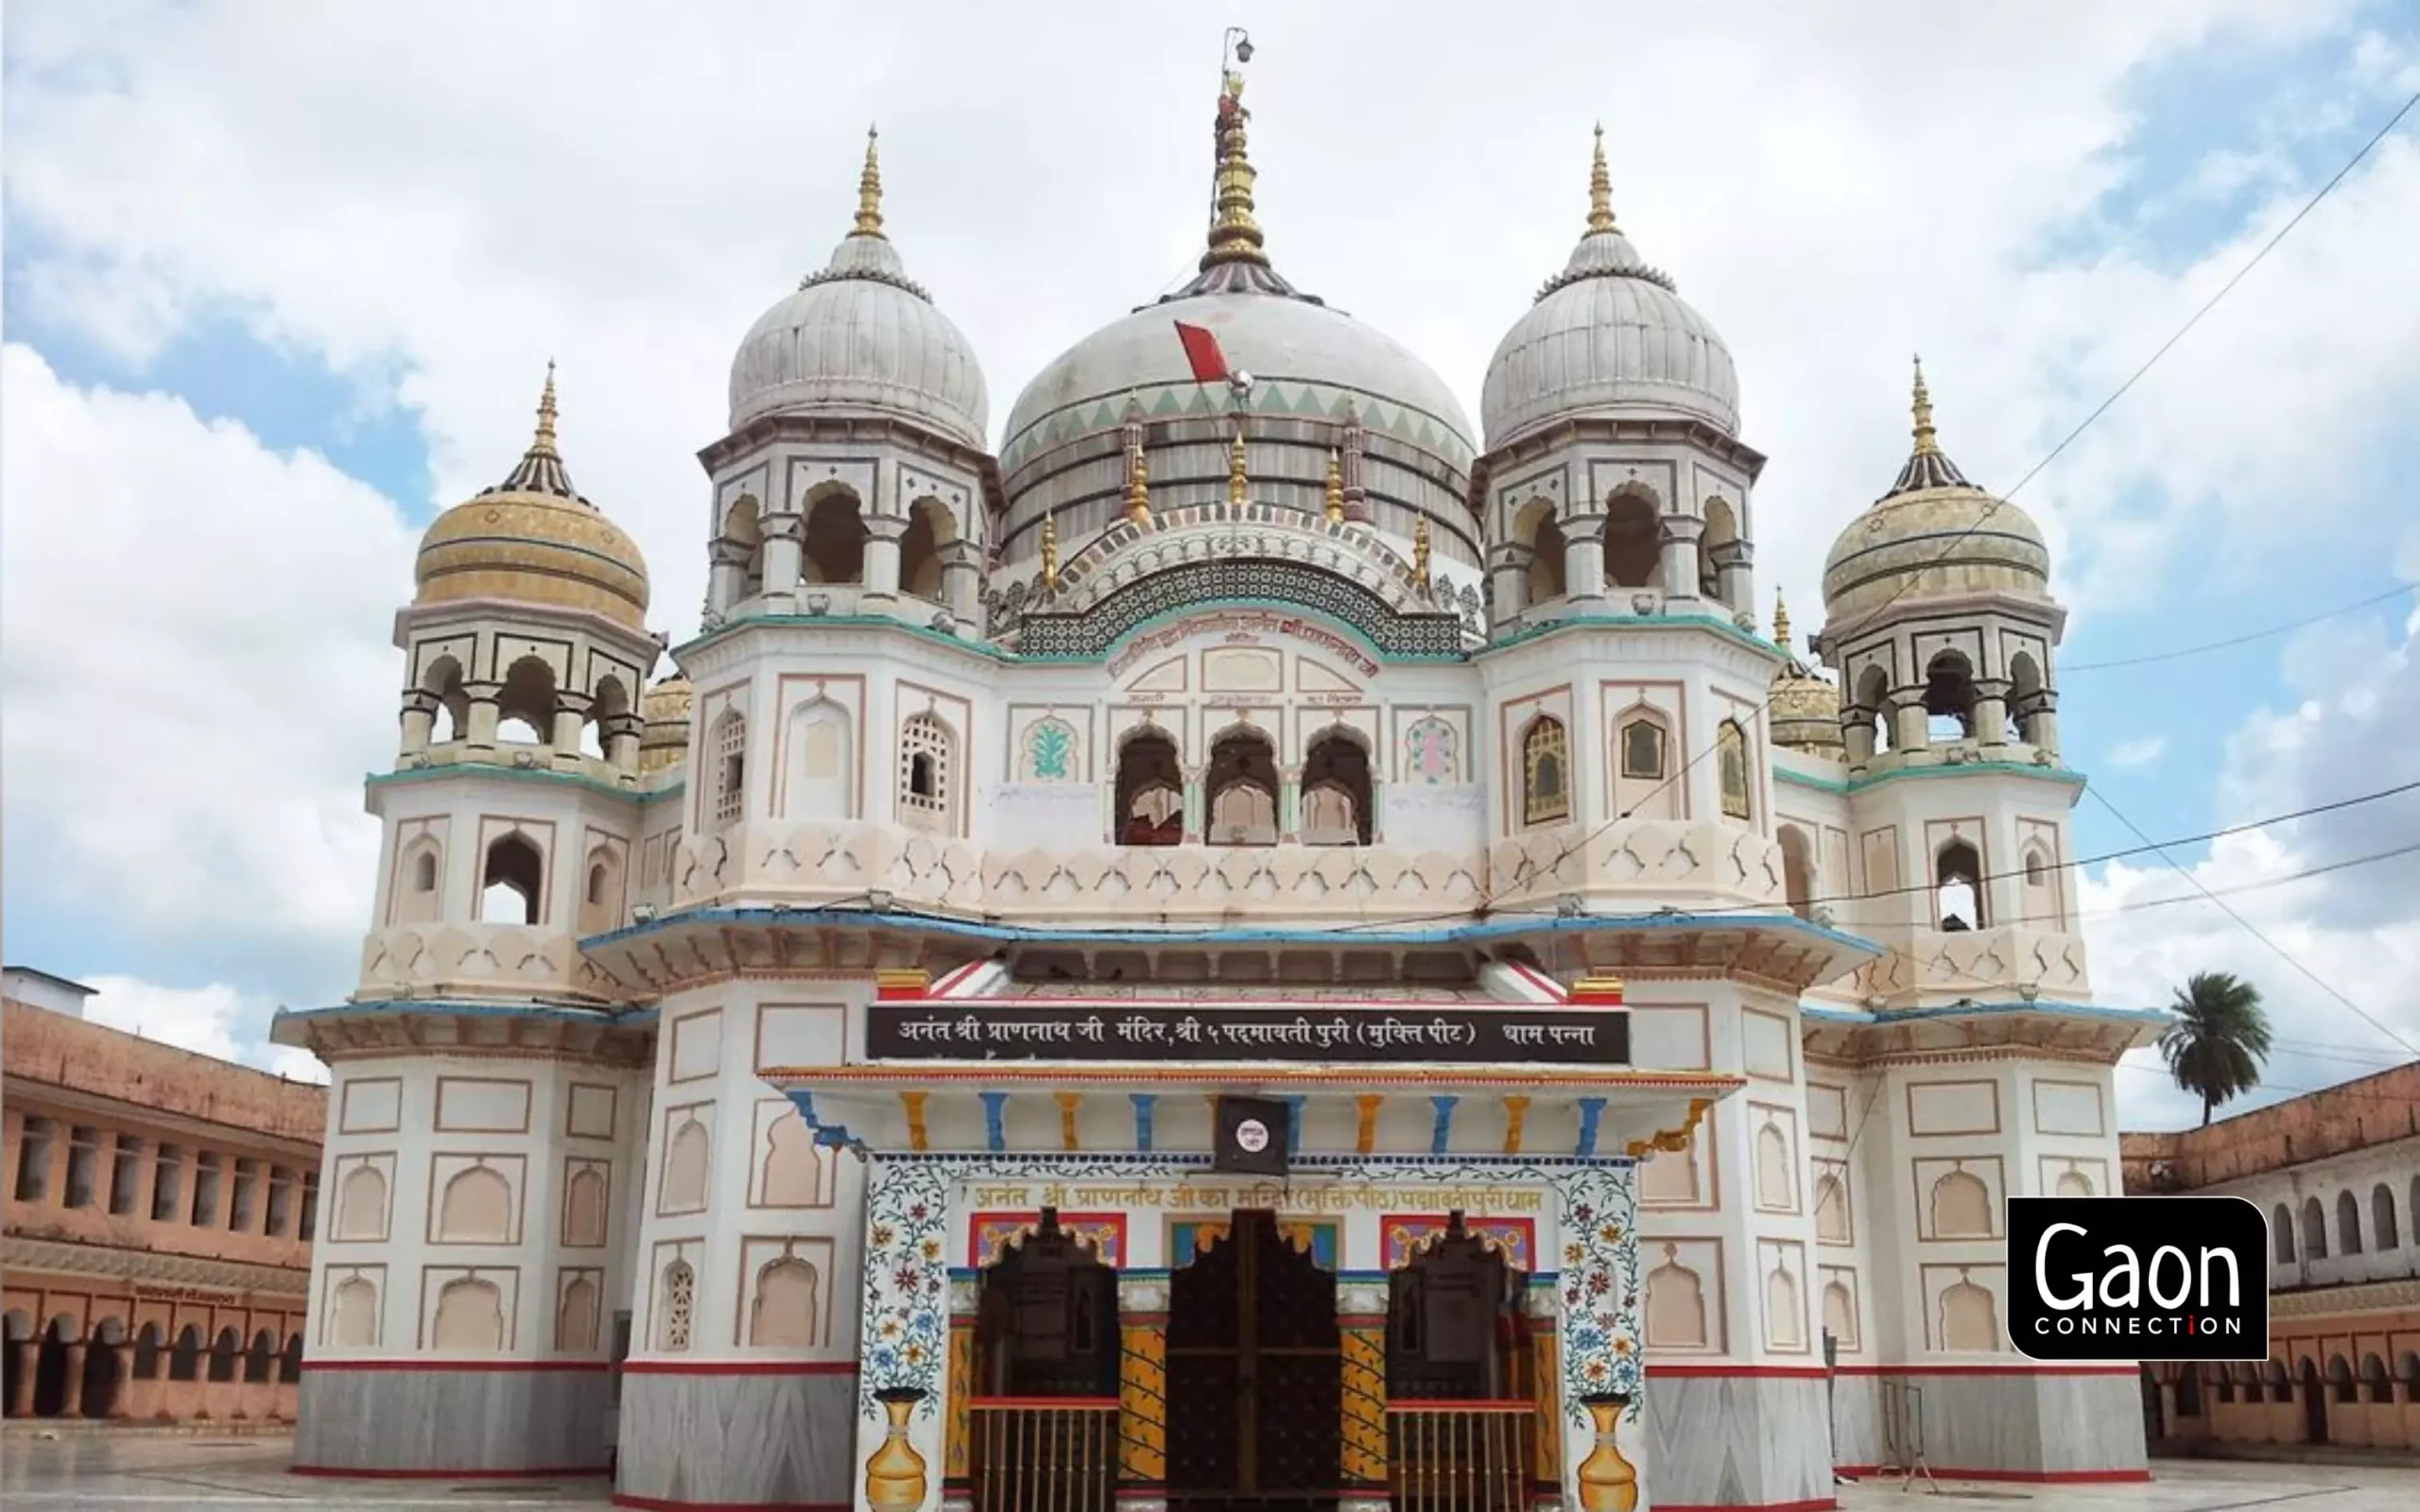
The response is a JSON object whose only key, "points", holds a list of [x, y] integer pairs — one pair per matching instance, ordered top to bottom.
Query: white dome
{"points": [[1608, 334], [861, 337], [1287, 342]]}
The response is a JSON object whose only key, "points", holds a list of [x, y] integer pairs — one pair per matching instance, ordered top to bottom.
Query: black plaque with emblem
{"points": [[1251, 1136]]}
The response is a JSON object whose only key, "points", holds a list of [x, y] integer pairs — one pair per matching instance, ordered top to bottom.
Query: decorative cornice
{"points": [[18, 1254], [2364, 1297]]}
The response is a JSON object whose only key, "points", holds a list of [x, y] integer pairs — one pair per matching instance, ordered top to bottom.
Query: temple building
{"points": [[1235, 939], [159, 1206]]}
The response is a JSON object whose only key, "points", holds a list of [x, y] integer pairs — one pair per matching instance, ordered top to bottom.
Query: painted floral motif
{"points": [[1050, 751], [1429, 754], [1600, 1289], [906, 1322]]}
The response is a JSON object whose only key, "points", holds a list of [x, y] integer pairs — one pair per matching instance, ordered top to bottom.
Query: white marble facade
{"points": [[1222, 690]]}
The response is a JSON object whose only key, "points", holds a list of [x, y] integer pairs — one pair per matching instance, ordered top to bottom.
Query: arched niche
{"points": [[1633, 541], [835, 548], [1646, 761], [823, 762], [1241, 785], [1337, 789], [1150, 793], [512, 881], [470, 1316]]}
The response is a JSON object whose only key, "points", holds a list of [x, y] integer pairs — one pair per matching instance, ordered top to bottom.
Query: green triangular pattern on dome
{"points": [[1168, 403], [1104, 416]]}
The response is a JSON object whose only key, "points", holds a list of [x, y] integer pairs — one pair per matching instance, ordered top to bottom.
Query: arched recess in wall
{"points": [[1537, 528], [931, 531], [1721, 538], [1633, 541], [742, 543], [835, 550], [442, 681], [1949, 696], [526, 707], [1873, 711], [1644, 759], [823, 762], [1545, 771], [1733, 771], [928, 775], [1242, 788], [1337, 790], [1150, 793], [1797, 870], [419, 882], [512, 883], [1958, 885], [601, 890], [2043, 908], [685, 1164], [794, 1168], [2072, 1184], [1775, 1190], [361, 1205], [1962, 1207], [476, 1208], [584, 1209], [1832, 1210], [2348, 1222], [2314, 1229], [2384, 1232], [2281, 1234], [676, 1302], [787, 1306], [1785, 1310], [1840, 1313], [353, 1314], [469, 1315], [1676, 1315], [576, 1317], [1969, 1317], [225, 1351], [184, 1360]]}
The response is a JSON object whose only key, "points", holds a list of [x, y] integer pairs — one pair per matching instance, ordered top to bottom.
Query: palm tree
{"points": [[2220, 1038]]}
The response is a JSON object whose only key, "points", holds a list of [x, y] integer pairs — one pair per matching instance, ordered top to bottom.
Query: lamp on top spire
{"points": [[869, 189], [1600, 190], [1235, 235], [1929, 466], [540, 468]]}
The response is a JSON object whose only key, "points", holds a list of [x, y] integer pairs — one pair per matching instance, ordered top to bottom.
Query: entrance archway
{"points": [[1255, 1376], [1461, 1389], [2314, 1404], [1044, 1415]]}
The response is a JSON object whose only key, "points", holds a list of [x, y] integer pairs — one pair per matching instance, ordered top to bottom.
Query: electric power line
{"points": [[2069, 440], [2070, 668]]}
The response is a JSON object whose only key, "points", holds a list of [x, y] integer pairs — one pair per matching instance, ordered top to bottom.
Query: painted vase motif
{"points": [[895, 1479], [1608, 1482]]}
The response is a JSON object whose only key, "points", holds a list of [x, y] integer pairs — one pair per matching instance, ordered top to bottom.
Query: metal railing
{"points": [[1044, 1453], [1460, 1456]]}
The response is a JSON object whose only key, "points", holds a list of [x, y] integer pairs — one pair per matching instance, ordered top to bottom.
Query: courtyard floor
{"points": [[92, 1472]]}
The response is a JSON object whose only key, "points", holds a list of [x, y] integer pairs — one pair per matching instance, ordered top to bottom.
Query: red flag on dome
{"points": [[1201, 350]]}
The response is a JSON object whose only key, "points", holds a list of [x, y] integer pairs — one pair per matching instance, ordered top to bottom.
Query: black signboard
{"points": [[1465, 1034], [1252, 1136]]}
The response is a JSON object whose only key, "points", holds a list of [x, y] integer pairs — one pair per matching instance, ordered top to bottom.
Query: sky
{"points": [[281, 281]]}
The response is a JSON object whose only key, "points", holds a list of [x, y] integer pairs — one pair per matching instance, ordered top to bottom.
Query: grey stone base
{"points": [[434, 1422], [2023, 1425], [755, 1440], [1735, 1440]]}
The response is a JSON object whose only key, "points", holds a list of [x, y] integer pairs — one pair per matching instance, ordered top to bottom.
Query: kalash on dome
{"points": [[1258, 947]]}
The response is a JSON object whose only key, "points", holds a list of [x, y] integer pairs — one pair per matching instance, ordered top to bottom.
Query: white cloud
{"points": [[193, 648], [2140, 751], [217, 1020]]}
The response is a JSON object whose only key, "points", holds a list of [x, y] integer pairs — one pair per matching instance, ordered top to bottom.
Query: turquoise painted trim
{"points": [[1278, 606], [1694, 619], [976, 646], [484, 771], [2060, 775], [1838, 787], [1477, 931], [2047, 1007], [469, 1008]]}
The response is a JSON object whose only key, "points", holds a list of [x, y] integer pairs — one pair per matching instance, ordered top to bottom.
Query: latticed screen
{"points": [[924, 767], [731, 768]]}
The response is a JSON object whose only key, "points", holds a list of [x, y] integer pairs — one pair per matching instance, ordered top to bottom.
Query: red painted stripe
{"points": [[466, 1367], [739, 1367], [1747, 1372], [2130, 1372], [339, 1473], [2126, 1477], [664, 1504]]}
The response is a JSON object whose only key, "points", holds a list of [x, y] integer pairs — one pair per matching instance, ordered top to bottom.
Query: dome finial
{"points": [[869, 189], [1600, 190], [1234, 237], [1928, 444], [543, 445], [1929, 466], [540, 468], [1238, 481], [1138, 486], [1335, 502], [1420, 552], [1050, 553], [1781, 620]]}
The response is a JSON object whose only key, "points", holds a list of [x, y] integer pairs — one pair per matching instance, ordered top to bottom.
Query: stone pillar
{"points": [[782, 533], [882, 555], [1584, 558], [1679, 567], [726, 574], [962, 581], [1507, 583], [1735, 584], [1991, 711], [485, 713], [571, 717], [420, 720], [2042, 726], [1913, 730], [622, 733], [1857, 734], [1289, 804], [1197, 807], [1362, 1329], [903, 1341], [1142, 1390], [71, 1400], [21, 1401]]}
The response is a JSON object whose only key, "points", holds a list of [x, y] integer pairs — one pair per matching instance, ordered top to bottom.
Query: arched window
{"points": [[1538, 529], [931, 530], [836, 541], [1634, 543], [742, 544], [1718, 547], [444, 681], [1949, 696], [2027, 698], [526, 707], [608, 711], [1869, 719], [1545, 772], [1731, 773], [928, 774], [1645, 784], [1242, 785], [1150, 792], [730, 793], [1337, 794], [425, 867], [1797, 870], [513, 882], [1958, 885], [601, 896], [2042, 907], [2348, 1224], [2314, 1229], [2281, 1234], [2384, 1234], [676, 1299], [147, 1349], [224, 1351], [184, 1360], [260, 1361], [2377, 1385]]}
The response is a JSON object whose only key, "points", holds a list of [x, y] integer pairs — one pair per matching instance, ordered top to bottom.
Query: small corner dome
{"points": [[1608, 334], [861, 337], [1933, 535], [532, 538], [663, 735]]}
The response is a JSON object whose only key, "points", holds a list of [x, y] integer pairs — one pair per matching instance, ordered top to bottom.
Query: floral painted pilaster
{"points": [[1361, 1326], [1601, 1342], [903, 1343]]}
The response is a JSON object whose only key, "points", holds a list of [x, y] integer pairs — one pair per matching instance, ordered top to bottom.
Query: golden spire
{"points": [[1600, 190], [870, 192], [1234, 237], [1926, 443], [543, 444], [1238, 483], [1335, 486], [1138, 487], [1420, 552], [1050, 553], [1781, 620]]}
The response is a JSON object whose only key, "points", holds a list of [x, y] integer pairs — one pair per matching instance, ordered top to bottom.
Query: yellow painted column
{"points": [[1361, 1323], [1546, 1381], [1142, 1386], [956, 1475]]}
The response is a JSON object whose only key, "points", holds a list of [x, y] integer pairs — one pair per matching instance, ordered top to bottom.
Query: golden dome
{"points": [[533, 539], [1805, 708], [665, 740]]}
